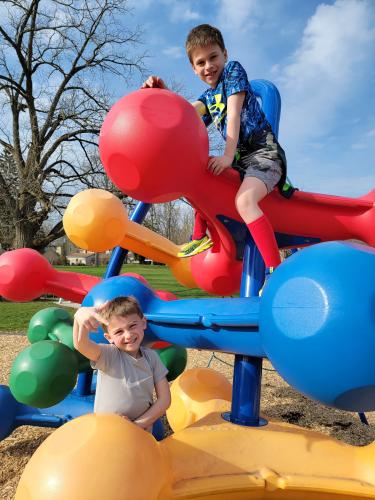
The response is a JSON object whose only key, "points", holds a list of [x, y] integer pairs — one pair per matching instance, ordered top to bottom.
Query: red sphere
{"points": [[153, 145], [215, 273], [23, 274], [138, 277], [165, 295]]}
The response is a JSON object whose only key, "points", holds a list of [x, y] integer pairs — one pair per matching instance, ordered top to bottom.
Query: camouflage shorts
{"points": [[262, 157]]}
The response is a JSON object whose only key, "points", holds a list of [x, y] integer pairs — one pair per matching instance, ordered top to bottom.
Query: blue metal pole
{"points": [[119, 254], [253, 270], [247, 373], [84, 381], [363, 418]]}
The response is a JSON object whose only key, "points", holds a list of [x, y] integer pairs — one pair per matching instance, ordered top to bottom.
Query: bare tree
{"points": [[56, 57], [173, 219]]}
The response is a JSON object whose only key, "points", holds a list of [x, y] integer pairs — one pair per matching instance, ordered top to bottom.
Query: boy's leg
{"points": [[251, 192], [200, 227], [199, 241]]}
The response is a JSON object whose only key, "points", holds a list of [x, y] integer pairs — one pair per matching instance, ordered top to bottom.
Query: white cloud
{"points": [[181, 11], [237, 13], [337, 45], [174, 52], [371, 133], [359, 145]]}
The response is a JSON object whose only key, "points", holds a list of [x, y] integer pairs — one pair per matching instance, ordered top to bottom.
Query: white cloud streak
{"points": [[182, 11], [237, 13], [337, 45]]}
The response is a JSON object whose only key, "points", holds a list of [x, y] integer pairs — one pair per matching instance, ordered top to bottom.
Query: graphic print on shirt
{"points": [[233, 80], [217, 109]]}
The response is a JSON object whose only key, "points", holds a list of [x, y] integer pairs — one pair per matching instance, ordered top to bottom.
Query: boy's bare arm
{"points": [[199, 107], [234, 107], [218, 164], [86, 320], [163, 401]]}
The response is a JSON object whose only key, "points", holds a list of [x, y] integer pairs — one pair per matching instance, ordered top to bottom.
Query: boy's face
{"points": [[208, 63], [126, 332]]}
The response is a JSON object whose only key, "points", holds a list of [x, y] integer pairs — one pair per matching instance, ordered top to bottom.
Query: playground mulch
{"points": [[279, 401]]}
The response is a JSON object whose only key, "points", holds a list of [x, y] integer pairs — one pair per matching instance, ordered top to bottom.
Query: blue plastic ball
{"points": [[317, 322]]}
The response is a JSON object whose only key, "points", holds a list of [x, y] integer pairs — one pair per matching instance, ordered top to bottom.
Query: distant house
{"points": [[64, 246], [53, 256], [104, 257], [83, 258]]}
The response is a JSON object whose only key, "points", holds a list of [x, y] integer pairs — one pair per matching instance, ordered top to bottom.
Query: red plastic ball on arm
{"points": [[153, 145], [23, 274]]}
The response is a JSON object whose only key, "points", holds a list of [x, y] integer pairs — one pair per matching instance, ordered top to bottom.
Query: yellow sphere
{"points": [[95, 220], [195, 394], [96, 457]]}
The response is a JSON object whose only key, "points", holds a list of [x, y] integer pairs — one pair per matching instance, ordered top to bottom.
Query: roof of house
{"points": [[80, 255]]}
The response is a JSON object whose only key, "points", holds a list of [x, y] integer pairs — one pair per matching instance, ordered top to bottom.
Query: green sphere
{"points": [[43, 323], [174, 358], [43, 374]]}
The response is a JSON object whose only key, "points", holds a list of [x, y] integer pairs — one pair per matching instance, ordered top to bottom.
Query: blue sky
{"points": [[320, 55]]}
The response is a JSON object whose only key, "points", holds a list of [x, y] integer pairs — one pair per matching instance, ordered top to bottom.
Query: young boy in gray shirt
{"points": [[127, 372]]}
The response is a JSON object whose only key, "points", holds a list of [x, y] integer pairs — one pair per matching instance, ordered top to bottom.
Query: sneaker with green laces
{"points": [[195, 246]]}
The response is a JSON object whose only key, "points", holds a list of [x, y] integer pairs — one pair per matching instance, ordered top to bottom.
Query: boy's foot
{"points": [[195, 246]]}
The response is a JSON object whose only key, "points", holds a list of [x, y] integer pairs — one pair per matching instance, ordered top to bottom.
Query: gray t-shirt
{"points": [[125, 385]]}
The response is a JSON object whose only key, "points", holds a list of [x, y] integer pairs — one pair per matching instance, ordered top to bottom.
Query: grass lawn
{"points": [[159, 277], [15, 316]]}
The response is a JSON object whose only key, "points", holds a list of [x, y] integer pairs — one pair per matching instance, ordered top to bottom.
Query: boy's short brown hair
{"points": [[201, 36], [121, 306]]}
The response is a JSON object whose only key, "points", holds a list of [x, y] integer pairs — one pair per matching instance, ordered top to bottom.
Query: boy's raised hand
{"points": [[154, 82], [217, 164], [88, 319]]}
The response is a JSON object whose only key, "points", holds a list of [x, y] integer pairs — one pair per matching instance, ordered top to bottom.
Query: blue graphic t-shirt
{"points": [[233, 80]]}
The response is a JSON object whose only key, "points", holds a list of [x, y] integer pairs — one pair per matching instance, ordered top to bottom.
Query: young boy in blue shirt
{"points": [[250, 145]]}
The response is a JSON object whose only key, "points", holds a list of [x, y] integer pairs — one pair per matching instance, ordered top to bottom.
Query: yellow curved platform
{"points": [[96, 457], [210, 458], [214, 459]]}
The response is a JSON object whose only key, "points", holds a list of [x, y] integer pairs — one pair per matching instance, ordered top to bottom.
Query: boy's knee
{"points": [[245, 201], [247, 207]]}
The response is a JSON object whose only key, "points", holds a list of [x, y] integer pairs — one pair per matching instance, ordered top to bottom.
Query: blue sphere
{"points": [[118, 286], [317, 324], [8, 412]]}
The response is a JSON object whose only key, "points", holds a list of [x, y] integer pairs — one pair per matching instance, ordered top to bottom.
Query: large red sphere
{"points": [[153, 145], [23, 274]]}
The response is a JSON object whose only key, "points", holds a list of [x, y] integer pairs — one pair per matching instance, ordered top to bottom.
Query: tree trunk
{"points": [[24, 235]]}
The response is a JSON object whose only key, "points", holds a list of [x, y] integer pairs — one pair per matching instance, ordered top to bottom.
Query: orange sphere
{"points": [[95, 220], [195, 394], [96, 457]]}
